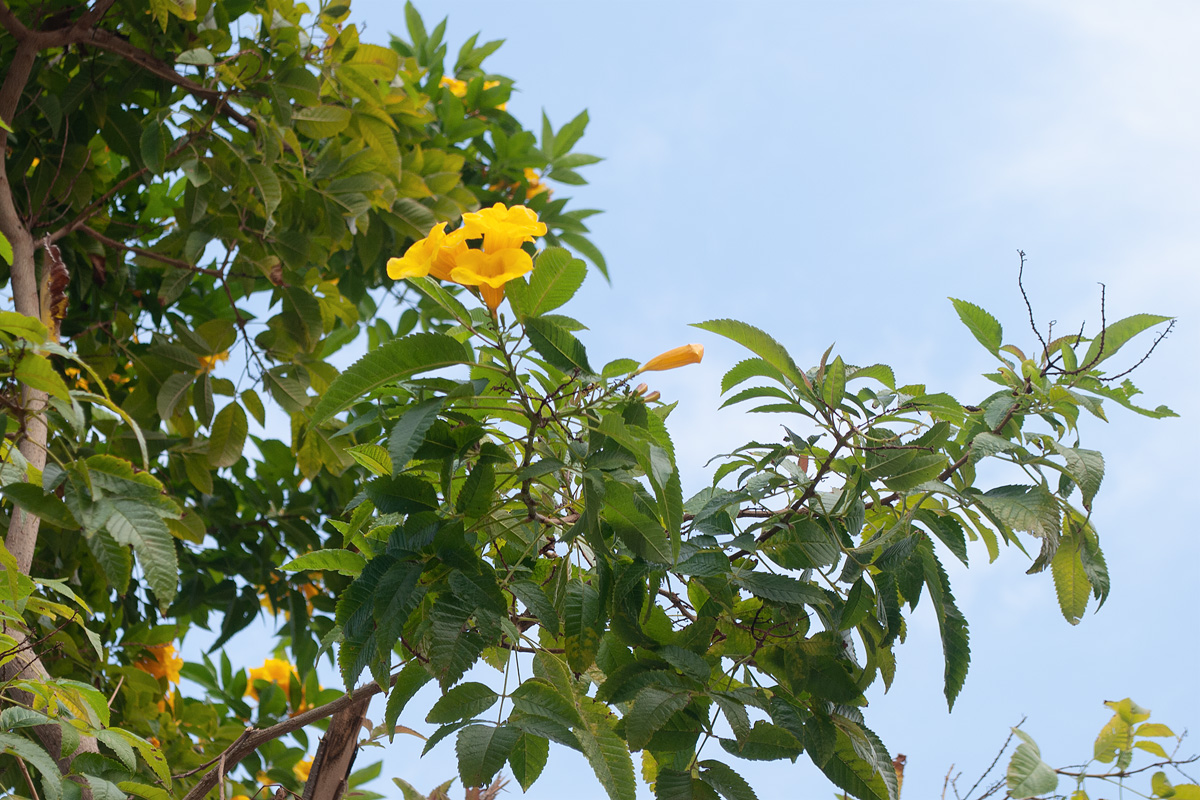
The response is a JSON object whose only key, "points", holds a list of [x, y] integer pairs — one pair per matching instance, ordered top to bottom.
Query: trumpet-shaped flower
{"points": [[503, 228], [434, 255], [490, 271], [677, 357], [162, 662], [273, 670], [302, 769]]}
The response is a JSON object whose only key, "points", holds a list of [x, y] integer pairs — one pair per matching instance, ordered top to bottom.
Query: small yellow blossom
{"points": [[457, 88], [536, 186], [678, 357], [209, 363], [74, 374], [162, 662], [273, 670], [302, 769]]}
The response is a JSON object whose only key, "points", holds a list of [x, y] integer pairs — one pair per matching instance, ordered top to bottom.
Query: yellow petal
{"points": [[503, 228], [418, 259], [478, 268], [678, 357]]}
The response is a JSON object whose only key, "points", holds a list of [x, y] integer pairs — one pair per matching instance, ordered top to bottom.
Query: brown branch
{"points": [[94, 14], [10, 23], [174, 262], [1025, 297], [253, 739], [1125, 773]]}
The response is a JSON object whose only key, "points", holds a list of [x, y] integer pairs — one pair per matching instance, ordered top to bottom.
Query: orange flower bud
{"points": [[679, 357], [640, 389], [650, 398]]}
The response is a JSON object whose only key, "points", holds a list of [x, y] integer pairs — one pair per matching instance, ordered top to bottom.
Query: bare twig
{"points": [[174, 262], [1025, 297], [1142, 360]]}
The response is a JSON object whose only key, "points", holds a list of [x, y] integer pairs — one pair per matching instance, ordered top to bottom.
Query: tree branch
{"points": [[174, 262], [253, 739]]}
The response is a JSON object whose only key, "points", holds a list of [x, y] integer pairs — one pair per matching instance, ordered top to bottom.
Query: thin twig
{"points": [[1025, 297], [28, 778]]}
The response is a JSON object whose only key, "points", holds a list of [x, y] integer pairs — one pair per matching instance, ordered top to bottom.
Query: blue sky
{"points": [[831, 173]]}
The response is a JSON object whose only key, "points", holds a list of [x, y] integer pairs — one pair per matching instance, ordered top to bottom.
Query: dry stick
{"points": [[174, 262], [1025, 297], [252, 739], [28, 779]]}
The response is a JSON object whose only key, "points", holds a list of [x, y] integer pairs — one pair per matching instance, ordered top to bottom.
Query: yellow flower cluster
{"points": [[459, 88], [447, 257], [209, 363], [74, 374], [162, 662], [273, 670]]}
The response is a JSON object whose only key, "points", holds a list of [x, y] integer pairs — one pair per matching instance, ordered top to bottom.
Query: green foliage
{"points": [[470, 489]]}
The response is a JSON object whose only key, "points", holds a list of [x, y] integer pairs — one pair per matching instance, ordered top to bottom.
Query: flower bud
{"points": [[679, 357], [640, 389], [650, 398]]}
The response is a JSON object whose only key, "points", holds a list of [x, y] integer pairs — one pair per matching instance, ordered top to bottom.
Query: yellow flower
{"points": [[457, 88], [536, 186], [503, 228], [434, 255], [490, 271], [679, 357], [209, 363], [74, 374], [162, 662], [273, 670], [302, 769]]}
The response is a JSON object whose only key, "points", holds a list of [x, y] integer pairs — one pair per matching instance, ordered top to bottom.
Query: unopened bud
{"points": [[678, 357], [640, 389], [650, 398]]}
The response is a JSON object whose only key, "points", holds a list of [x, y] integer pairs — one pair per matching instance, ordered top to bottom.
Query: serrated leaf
{"points": [[555, 279], [982, 325], [1114, 336], [759, 343], [556, 344], [399, 358], [36, 372], [833, 389], [171, 393], [409, 431], [228, 436], [372, 456], [1086, 468], [45, 506], [1024, 508], [633, 521], [137, 523], [344, 562], [1070, 580], [780, 588], [535, 599], [581, 624], [455, 646], [408, 682], [537, 697], [464, 701], [651, 709], [764, 742], [482, 750], [605, 750], [528, 758], [39, 759], [859, 764], [1028, 775], [725, 780]]}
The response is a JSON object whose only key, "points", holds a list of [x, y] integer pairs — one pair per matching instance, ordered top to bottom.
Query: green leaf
{"points": [[322, 122], [569, 134], [155, 141], [268, 187], [6, 253], [555, 278], [983, 326], [30, 329], [1115, 335], [759, 343], [555, 344], [399, 358], [36, 372], [833, 388], [172, 391], [409, 431], [228, 436], [372, 456], [1086, 468], [401, 494], [476, 496], [45, 506], [1024, 508], [634, 521], [140, 524], [343, 562], [1070, 580], [780, 588], [535, 599], [581, 624], [455, 647], [408, 682], [537, 697], [464, 701], [651, 709], [764, 742], [482, 750], [605, 750], [528, 758], [39, 759], [859, 764], [1028, 775], [722, 777], [674, 784]]}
